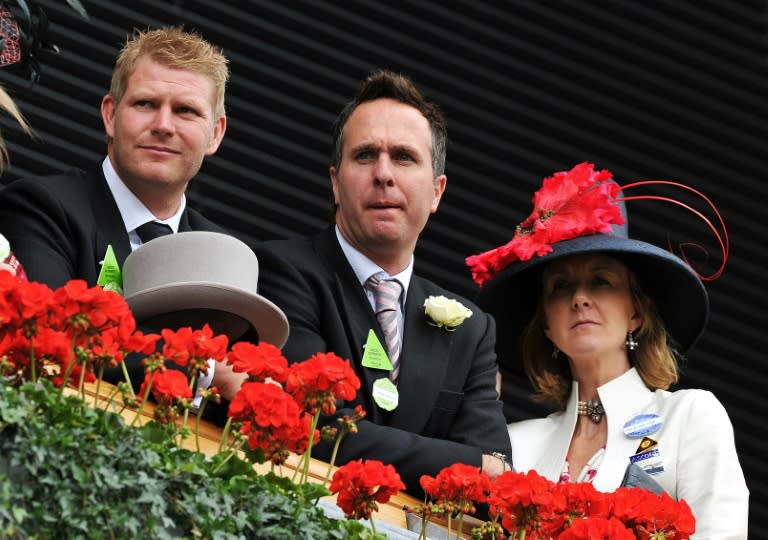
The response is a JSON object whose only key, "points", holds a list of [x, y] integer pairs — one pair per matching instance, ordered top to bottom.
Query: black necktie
{"points": [[151, 230]]}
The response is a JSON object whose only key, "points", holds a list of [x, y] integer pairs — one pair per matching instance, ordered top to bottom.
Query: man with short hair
{"points": [[163, 115], [431, 399]]}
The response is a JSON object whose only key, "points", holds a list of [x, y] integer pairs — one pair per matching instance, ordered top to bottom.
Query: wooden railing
{"points": [[210, 438]]}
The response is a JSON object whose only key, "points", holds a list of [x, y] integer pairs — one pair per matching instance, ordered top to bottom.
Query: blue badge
{"points": [[642, 425], [645, 455], [655, 470]]}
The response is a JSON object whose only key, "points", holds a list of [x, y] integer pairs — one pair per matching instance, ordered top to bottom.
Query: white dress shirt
{"points": [[364, 268]]}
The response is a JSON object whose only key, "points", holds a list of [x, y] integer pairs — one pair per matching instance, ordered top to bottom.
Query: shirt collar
{"points": [[131, 209], [365, 267]]}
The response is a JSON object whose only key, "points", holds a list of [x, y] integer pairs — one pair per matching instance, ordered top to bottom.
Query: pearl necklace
{"points": [[592, 408]]}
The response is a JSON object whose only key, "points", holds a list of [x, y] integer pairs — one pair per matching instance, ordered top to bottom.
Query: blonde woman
{"points": [[600, 320]]}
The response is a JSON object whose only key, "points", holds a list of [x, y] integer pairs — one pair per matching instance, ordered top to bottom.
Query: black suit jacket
{"points": [[59, 227], [447, 412]]}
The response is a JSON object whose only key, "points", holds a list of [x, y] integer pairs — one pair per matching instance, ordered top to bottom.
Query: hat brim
{"points": [[679, 294], [164, 301]]}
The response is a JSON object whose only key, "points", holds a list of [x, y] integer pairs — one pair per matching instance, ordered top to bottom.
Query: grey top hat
{"points": [[197, 277]]}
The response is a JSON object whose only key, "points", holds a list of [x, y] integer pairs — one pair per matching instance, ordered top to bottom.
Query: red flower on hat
{"points": [[569, 204]]}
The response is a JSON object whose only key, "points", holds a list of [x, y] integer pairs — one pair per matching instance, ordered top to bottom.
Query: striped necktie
{"points": [[386, 296]]}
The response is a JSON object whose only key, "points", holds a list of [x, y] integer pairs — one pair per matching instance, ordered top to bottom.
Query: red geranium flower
{"points": [[24, 305], [85, 311], [140, 342], [52, 345], [176, 345], [205, 345], [47, 346], [192, 349], [14, 351], [260, 361], [319, 381], [168, 386], [271, 420], [362, 484], [457, 488], [583, 500], [527, 502], [653, 516], [597, 528]]}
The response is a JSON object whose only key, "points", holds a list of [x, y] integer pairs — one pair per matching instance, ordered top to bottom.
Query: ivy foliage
{"points": [[70, 471]]}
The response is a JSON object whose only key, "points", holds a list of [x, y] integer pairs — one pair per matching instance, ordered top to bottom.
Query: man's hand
{"points": [[7, 267], [226, 380], [494, 465]]}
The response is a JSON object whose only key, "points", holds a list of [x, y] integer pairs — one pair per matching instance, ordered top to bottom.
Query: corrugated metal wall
{"points": [[661, 89]]}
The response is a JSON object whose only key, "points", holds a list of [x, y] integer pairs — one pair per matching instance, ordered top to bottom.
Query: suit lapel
{"points": [[184, 225], [111, 229], [356, 315], [423, 362], [623, 399], [550, 463]]}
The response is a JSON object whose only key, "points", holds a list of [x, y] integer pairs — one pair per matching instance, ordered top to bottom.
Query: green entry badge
{"points": [[5, 248], [110, 277], [374, 355], [385, 394]]}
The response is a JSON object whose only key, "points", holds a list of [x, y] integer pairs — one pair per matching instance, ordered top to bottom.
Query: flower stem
{"points": [[70, 364], [32, 370], [127, 378], [192, 380], [81, 383], [98, 387], [144, 398], [198, 416], [225, 434], [308, 451], [333, 457], [224, 461]]}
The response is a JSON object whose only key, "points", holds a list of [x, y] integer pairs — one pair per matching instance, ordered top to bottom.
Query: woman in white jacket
{"points": [[602, 319]]}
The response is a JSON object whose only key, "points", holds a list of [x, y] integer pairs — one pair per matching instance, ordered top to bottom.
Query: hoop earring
{"points": [[631, 343], [555, 352]]}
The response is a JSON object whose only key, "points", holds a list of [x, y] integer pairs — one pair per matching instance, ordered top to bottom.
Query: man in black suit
{"points": [[163, 114], [437, 404]]}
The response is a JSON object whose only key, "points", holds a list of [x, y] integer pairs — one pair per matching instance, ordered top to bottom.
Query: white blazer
{"points": [[694, 457]]}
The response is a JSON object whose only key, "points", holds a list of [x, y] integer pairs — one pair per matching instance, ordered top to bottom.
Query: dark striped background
{"points": [[655, 89]]}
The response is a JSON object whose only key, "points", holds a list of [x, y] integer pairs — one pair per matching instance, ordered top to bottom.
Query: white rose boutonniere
{"points": [[445, 312]]}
